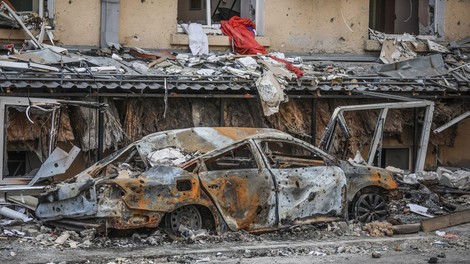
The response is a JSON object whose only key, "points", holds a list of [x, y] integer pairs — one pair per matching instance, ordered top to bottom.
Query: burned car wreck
{"points": [[219, 179]]}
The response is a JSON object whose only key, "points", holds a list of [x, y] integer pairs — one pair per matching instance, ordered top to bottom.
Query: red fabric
{"points": [[236, 28], [289, 66]]}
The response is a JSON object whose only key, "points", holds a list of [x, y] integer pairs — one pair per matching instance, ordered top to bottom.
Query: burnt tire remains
{"points": [[370, 207], [184, 217]]}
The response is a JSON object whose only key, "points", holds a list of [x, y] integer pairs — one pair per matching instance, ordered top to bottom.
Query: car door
{"points": [[307, 185], [241, 187]]}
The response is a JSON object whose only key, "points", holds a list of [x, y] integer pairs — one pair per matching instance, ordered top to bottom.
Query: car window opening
{"points": [[282, 155], [237, 158]]}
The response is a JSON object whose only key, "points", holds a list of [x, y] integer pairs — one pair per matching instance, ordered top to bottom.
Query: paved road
{"points": [[417, 248]]}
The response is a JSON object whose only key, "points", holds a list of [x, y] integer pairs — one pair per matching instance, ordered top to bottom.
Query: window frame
{"points": [[438, 24], [209, 29], [323, 158], [203, 166]]}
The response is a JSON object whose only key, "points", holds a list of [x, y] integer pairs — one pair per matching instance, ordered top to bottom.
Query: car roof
{"points": [[204, 139]]}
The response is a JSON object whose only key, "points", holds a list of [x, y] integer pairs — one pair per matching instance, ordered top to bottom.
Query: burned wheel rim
{"points": [[370, 207], [187, 216]]}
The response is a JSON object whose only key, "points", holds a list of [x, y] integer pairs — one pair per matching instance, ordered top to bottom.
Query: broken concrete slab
{"points": [[395, 51], [422, 67], [459, 179]]}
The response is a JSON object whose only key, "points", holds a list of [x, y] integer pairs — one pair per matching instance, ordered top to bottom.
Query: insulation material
{"points": [[205, 112], [237, 113], [144, 116], [293, 117], [19, 127], [86, 127], [22, 135]]}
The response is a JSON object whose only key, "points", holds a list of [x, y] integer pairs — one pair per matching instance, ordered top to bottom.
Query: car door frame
{"points": [[329, 161], [261, 169]]}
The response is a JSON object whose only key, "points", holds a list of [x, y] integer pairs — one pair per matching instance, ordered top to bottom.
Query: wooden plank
{"points": [[452, 219]]}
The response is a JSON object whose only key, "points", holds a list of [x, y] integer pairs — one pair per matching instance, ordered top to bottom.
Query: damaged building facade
{"points": [[139, 66]]}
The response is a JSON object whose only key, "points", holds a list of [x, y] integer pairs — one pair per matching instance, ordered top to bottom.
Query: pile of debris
{"points": [[255, 71]]}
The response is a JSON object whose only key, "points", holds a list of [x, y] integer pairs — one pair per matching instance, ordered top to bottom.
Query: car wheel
{"points": [[370, 207], [187, 216]]}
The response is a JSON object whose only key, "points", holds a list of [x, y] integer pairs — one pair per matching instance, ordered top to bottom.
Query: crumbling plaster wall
{"points": [[78, 22], [147, 23], [457, 23], [317, 25]]}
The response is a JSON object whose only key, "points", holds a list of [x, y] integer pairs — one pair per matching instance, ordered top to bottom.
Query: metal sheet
{"points": [[428, 66], [57, 163]]}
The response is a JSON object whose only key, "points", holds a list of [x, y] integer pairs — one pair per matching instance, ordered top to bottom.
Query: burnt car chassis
{"points": [[219, 179]]}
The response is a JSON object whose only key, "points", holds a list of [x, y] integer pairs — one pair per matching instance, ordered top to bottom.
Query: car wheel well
{"points": [[366, 190], [207, 218], [208, 221]]}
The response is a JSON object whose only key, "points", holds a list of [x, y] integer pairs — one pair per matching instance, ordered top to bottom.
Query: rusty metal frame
{"points": [[337, 119]]}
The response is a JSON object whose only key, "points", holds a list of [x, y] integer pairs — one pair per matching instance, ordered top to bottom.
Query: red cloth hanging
{"points": [[237, 29], [289, 66]]}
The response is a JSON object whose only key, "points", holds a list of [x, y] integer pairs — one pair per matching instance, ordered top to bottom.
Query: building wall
{"points": [[78, 22], [147, 24], [457, 24], [308, 25], [317, 25], [292, 26], [459, 154]]}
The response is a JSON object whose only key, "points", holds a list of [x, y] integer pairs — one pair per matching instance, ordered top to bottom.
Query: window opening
{"points": [[210, 12], [402, 16], [29, 138], [290, 155], [396, 157], [237, 158], [22, 162]]}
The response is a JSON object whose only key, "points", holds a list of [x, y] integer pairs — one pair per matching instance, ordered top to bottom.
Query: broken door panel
{"points": [[242, 191], [308, 192]]}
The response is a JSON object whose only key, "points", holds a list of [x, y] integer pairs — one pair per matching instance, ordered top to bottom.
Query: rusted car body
{"points": [[219, 179]]}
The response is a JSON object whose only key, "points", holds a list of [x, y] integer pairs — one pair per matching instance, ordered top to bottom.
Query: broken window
{"points": [[210, 12], [417, 17], [31, 136], [289, 155], [238, 158], [22, 162]]}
